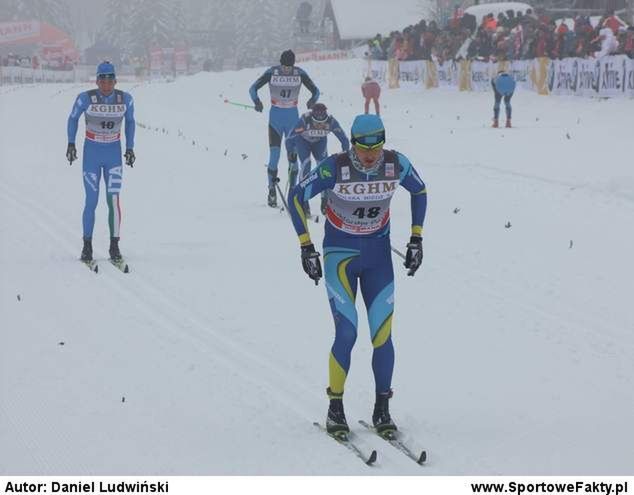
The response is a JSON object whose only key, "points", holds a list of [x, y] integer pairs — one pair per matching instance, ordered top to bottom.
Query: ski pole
{"points": [[238, 104], [277, 185], [394, 250]]}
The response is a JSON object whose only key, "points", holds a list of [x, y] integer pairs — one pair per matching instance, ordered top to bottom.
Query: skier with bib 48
{"points": [[285, 81], [104, 109], [310, 136], [359, 186]]}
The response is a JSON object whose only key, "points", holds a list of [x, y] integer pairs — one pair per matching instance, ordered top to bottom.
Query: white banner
{"points": [[378, 71], [521, 72], [411, 73], [447, 74], [481, 75], [611, 76]]}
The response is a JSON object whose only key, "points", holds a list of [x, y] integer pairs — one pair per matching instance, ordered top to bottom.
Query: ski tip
{"points": [[96, 269], [126, 269], [422, 458], [372, 459]]}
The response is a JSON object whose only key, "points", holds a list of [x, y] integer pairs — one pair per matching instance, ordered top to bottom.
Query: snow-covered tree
{"points": [[55, 12]]}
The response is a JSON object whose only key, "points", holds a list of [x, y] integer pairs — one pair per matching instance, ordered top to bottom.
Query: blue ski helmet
{"points": [[105, 70], [368, 131]]}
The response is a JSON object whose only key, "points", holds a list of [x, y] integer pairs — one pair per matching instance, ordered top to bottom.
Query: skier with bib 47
{"points": [[285, 81], [104, 109], [359, 186]]}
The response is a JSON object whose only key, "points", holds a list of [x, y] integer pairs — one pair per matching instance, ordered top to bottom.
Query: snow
{"points": [[363, 19], [513, 349]]}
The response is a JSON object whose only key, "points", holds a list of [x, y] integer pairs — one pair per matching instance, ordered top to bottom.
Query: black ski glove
{"points": [[258, 106], [71, 153], [129, 157], [414, 256], [311, 263]]}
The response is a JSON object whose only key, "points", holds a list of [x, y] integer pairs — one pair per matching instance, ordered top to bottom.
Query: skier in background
{"points": [[285, 81], [503, 87], [371, 91], [104, 110], [310, 135], [359, 186]]}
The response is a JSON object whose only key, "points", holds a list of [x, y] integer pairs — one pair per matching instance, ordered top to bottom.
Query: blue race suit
{"points": [[284, 85], [503, 87], [309, 136], [102, 150], [357, 250]]}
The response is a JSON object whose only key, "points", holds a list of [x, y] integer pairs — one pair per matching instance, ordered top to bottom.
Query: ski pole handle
{"points": [[238, 104]]}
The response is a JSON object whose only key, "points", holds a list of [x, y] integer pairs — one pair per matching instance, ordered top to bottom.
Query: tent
{"points": [[356, 21]]}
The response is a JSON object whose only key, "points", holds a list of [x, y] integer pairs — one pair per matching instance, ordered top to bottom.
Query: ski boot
{"points": [[508, 123], [495, 124], [271, 199], [86, 252], [115, 254], [381, 419], [336, 424]]}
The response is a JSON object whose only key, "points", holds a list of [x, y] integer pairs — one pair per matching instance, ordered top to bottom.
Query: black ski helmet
{"points": [[287, 58], [319, 112]]}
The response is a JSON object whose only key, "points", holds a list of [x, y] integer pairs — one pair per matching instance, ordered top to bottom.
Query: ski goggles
{"points": [[106, 77], [369, 142]]}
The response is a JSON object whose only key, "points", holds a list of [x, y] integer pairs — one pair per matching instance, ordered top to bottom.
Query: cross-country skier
{"points": [[285, 81], [503, 87], [104, 108], [310, 135], [359, 186]]}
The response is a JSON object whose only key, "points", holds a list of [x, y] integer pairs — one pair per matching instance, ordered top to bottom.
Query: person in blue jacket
{"points": [[285, 82], [503, 87], [104, 109], [310, 136], [359, 186]]}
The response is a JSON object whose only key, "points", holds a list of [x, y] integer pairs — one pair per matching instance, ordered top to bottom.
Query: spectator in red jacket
{"points": [[371, 91]]}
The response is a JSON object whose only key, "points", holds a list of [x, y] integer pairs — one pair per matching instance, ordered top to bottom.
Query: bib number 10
{"points": [[107, 124], [367, 212]]}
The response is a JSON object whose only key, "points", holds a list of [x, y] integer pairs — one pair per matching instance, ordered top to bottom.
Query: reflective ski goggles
{"points": [[106, 77], [369, 142]]}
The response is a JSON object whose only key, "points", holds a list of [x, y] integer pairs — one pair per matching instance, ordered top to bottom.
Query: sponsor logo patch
{"points": [[389, 170], [324, 172], [345, 173], [308, 180]]}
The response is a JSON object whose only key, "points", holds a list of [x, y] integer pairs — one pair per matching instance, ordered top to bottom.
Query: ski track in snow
{"points": [[513, 350]]}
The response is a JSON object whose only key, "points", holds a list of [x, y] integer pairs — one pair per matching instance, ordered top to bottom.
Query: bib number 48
{"points": [[367, 212]]}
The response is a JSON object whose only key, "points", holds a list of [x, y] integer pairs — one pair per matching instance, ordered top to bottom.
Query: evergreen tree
{"points": [[54, 12], [117, 28]]}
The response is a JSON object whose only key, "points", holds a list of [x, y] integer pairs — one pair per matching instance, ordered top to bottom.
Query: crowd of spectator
{"points": [[509, 36], [34, 62]]}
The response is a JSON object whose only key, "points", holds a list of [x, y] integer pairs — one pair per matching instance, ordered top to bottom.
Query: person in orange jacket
{"points": [[371, 91]]}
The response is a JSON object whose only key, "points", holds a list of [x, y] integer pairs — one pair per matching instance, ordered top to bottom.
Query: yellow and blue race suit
{"points": [[357, 250]]}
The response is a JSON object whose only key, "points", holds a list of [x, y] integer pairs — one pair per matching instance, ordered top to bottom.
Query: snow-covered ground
{"points": [[514, 346]]}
